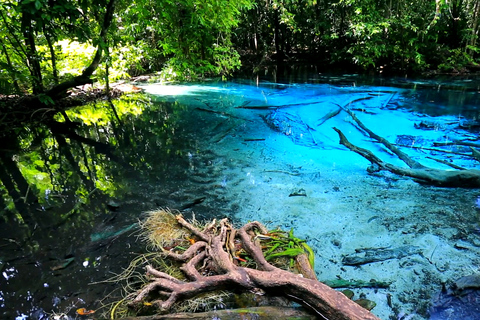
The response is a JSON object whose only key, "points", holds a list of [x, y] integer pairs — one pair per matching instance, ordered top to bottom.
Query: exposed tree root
{"points": [[444, 178], [210, 265]]}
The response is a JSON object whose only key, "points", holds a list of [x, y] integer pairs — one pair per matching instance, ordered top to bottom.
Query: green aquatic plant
{"points": [[278, 243]]}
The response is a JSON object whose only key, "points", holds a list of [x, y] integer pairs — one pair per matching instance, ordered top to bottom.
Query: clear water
{"points": [[254, 150]]}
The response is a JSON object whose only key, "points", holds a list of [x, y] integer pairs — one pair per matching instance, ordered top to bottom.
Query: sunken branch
{"points": [[443, 178]]}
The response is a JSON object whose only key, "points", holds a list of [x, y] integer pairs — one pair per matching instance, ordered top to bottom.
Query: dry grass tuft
{"points": [[161, 229], [204, 302]]}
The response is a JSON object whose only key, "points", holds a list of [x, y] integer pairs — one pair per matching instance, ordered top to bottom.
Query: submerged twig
{"points": [[447, 163]]}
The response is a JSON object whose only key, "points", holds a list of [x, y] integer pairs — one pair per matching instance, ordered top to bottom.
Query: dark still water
{"points": [[72, 192]]}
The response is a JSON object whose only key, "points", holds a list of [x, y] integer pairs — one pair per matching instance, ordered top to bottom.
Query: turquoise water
{"points": [[250, 150]]}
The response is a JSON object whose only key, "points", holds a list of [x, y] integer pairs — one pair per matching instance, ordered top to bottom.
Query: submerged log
{"points": [[437, 177], [443, 178], [368, 255], [209, 266], [342, 283]]}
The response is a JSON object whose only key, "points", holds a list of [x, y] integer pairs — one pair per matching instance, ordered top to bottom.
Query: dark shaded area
{"points": [[73, 192], [466, 307]]}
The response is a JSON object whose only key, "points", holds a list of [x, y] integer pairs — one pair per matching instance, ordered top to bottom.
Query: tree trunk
{"points": [[475, 18], [53, 58], [33, 59], [9, 63], [84, 78], [261, 313]]}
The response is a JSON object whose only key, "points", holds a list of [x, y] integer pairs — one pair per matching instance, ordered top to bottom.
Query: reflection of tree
{"points": [[65, 149], [124, 151], [58, 164], [18, 189]]}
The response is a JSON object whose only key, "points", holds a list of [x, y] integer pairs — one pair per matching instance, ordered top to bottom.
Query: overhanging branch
{"points": [[84, 78]]}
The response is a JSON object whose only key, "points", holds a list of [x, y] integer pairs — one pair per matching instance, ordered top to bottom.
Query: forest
{"points": [[49, 46], [63, 168]]}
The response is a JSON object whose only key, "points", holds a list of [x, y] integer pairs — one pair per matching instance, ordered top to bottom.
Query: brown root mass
{"points": [[209, 265]]}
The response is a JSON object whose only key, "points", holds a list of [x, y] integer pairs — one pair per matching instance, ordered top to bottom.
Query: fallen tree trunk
{"points": [[443, 178], [213, 255], [262, 313]]}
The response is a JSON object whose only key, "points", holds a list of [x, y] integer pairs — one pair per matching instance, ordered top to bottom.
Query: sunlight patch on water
{"points": [[184, 90]]}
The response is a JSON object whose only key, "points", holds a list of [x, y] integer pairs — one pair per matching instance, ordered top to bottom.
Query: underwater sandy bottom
{"points": [[326, 195]]}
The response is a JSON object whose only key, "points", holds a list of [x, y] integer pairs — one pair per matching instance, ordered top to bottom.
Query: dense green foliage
{"points": [[29, 34], [400, 36], [187, 37], [47, 43]]}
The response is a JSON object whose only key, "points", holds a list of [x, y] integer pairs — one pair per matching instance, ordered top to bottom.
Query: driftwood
{"points": [[245, 106], [335, 112], [329, 115], [457, 143], [475, 153], [444, 178], [212, 254], [368, 255], [342, 283]]}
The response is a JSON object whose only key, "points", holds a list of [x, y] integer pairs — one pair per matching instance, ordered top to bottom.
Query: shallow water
{"points": [[247, 150]]}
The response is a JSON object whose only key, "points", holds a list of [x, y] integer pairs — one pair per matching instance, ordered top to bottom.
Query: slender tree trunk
{"points": [[475, 18], [276, 32], [454, 32], [17, 44], [53, 58], [33, 59], [9, 62], [107, 70]]}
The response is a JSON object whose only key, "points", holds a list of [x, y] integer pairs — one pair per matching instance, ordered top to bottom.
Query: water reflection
{"points": [[72, 191]]}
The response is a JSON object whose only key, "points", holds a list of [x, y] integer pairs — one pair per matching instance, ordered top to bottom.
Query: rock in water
{"points": [[468, 282], [462, 302], [367, 304]]}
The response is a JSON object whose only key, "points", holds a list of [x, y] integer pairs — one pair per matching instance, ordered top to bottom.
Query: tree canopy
{"points": [[399, 36], [49, 46]]}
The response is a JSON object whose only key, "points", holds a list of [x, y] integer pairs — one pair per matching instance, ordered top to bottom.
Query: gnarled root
{"points": [[210, 266]]}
